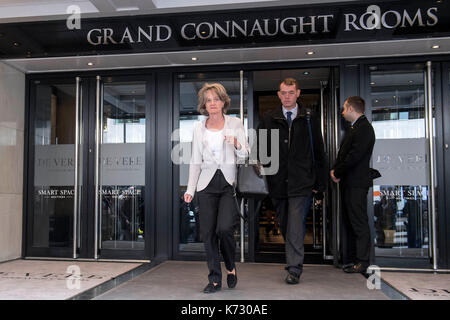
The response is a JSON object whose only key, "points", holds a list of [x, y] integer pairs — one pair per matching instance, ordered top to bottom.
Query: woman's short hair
{"points": [[219, 90]]}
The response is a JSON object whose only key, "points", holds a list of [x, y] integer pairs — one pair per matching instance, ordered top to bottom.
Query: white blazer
{"points": [[203, 165]]}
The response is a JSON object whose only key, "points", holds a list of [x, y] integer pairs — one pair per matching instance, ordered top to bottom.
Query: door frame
{"points": [[88, 89], [437, 92]]}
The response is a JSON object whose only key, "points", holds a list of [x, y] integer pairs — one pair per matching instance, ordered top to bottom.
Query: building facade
{"points": [[97, 115]]}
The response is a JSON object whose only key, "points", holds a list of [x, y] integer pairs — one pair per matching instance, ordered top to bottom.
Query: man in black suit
{"points": [[302, 170], [351, 171]]}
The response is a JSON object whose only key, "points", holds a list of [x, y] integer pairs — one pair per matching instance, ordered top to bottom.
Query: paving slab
{"points": [[55, 280], [185, 280], [419, 286]]}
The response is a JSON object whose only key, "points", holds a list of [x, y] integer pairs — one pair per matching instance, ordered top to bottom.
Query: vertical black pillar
{"points": [[163, 166]]}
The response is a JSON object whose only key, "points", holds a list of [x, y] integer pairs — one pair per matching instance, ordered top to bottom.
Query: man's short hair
{"points": [[290, 82], [358, 103]]}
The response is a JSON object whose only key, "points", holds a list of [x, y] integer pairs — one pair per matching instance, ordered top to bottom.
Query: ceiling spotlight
{"points": [[16, 44], [435, 46], [310, 53], [194, 59], [90, 63], [306, 73], [410, 81], [372, 83]]}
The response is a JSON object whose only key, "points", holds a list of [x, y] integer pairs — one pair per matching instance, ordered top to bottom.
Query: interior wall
{"points": [[12, 108]]}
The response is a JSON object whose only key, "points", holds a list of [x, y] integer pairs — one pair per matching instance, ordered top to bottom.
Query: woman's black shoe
{"points": [[232, 280], [211, 288]]}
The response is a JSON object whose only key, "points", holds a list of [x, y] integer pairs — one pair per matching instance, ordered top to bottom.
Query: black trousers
{"points": [[290, 215], [218, 219], [357, 248]]}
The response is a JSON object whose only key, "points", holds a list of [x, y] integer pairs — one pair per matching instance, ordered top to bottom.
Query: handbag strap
{"points": [[308, 120], [238, 209]]}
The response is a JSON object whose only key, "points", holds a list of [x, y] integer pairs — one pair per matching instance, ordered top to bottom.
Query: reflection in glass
{"points": [[54, 139], [123, 166], [400, 196], [190, 239]]}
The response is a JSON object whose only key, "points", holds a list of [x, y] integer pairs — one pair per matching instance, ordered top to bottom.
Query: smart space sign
{"points": [[260, 27]]}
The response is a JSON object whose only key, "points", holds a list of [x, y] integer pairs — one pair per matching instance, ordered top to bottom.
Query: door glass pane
{"points": [[54, 150], [122, 166], [400, 196], [190, 239]]}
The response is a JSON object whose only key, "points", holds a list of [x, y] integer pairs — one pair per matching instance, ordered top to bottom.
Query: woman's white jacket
{"points": [[203, 164]]}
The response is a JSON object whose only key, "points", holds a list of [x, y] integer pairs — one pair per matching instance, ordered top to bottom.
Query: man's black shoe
{"points": [[348, 265], [357, 268], [292, 278], [232, 280], [211, 288]]}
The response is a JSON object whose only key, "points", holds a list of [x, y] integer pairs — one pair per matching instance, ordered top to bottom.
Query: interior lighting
{"points": [[435, 46], [310, 53], [194, 58], [90, 63], [306, 73]]}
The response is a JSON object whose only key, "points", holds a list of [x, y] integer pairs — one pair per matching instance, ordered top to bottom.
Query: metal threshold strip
{"points": [[88, 260], [412, 270], [115, 282]]}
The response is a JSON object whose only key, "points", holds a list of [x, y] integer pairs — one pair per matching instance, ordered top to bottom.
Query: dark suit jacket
{"points": [[295, 155], [352, 163]]}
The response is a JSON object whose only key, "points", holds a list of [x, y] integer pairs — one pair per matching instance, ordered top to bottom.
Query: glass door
{"points": [[319, 89], [402, 110], [54, 149], [120, 161], [88, 187], [187, 239]]}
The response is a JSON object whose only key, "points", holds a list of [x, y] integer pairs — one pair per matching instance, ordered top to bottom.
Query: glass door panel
{"points": [[189, 85], [54, 139], [122, 166], [401, 195]]}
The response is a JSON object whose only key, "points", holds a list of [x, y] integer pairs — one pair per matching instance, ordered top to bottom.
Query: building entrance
{"points": [[253, 93], [319, 95], [87, 170]]}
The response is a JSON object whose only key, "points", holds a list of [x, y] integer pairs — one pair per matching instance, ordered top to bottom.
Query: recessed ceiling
{"points": [[40, 10], [378, 49]]}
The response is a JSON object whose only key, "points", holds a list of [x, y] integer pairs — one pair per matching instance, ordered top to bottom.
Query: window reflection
{"points": [[54, 139], [123, 166], [400, 196]]}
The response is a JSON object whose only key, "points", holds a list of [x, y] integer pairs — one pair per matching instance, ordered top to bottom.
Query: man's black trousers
{"points": [[290, 213], [218, 219], [358, 244]]}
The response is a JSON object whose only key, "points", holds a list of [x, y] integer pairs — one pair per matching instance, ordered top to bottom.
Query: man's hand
{"points": [[335, 180]]}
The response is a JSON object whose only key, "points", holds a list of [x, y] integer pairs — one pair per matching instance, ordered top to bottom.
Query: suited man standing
{"points": [[302, 170], [351, 171]]}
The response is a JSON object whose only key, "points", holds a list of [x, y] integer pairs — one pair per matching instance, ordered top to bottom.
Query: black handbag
{"points": [[374, 174], [250, 182]]}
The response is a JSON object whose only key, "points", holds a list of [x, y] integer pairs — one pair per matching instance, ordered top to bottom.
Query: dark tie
{"points": [[289, 119]]}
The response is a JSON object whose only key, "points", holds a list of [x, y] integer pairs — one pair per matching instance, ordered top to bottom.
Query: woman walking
{"points": [[217, 143]]}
